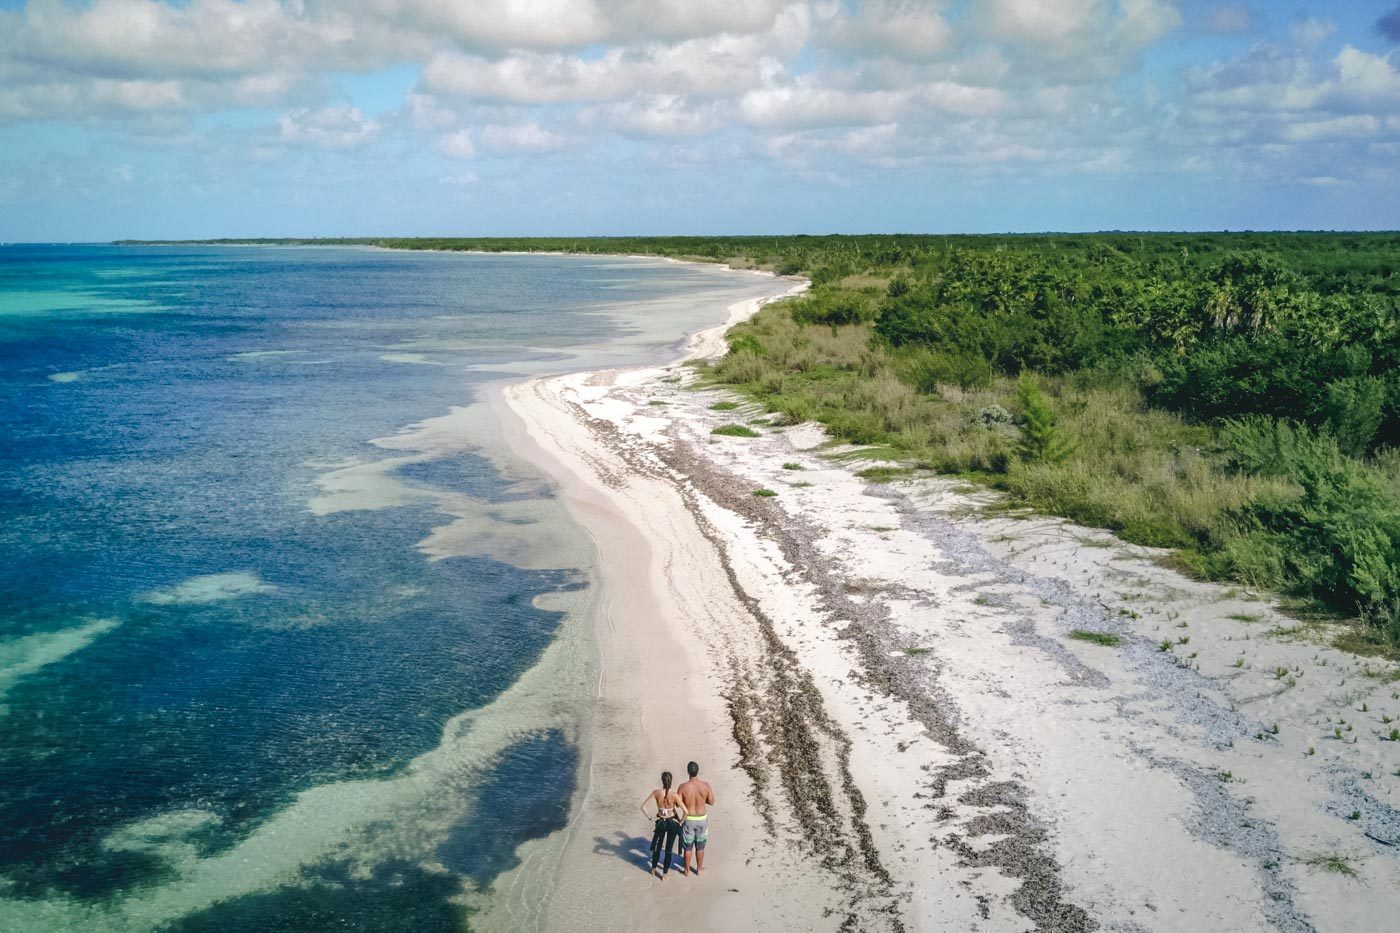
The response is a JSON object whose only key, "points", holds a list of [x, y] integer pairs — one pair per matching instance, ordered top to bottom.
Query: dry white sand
{"points": [[881, 683]]}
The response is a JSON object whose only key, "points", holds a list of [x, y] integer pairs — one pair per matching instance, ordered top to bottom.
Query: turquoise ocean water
{"points": [[288, 639]]}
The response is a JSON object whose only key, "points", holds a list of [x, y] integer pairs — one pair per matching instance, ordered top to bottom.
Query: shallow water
{"points": [[287, 638]]}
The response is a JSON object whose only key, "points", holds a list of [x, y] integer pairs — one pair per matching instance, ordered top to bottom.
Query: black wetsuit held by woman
{"points": [[668, 827]]}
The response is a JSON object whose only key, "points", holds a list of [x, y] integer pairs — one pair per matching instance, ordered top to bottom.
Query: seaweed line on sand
{"points": [[778, 709], [1040, 896]]}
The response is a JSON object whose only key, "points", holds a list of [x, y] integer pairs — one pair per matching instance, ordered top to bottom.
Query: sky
{"points": [[203, 118]]}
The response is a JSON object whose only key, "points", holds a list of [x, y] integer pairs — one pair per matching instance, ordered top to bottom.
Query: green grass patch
{"points": [[724, 406], [735, 430], [793, 466], [884, 474], [764, 493], [1107, 639], [1332, 863]]}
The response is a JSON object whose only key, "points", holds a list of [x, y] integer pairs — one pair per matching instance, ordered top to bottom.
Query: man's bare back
{"points": [[697, 795]]}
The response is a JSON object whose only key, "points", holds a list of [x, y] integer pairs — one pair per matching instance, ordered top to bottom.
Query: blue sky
{"points": [[136, 118]]}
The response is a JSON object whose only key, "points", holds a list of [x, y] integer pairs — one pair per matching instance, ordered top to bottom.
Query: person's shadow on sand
{"points": [[635, 850]]}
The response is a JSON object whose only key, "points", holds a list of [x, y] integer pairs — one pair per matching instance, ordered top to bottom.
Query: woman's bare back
{"points": [[668, 803]]}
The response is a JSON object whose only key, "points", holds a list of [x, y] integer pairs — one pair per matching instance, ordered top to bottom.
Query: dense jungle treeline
{"points": [[1233, 396]]}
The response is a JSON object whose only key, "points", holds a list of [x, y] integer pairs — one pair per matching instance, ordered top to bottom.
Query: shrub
{"points": [[833, 307], [743, 342], [927, 369], [1353, 410], [992, 415], [735, 430], [1041, 441], [1267, 446], [1338, 539], [1384, 617]]}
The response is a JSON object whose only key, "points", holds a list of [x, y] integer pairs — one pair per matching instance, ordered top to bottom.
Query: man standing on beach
{"points": [[698, 797]]}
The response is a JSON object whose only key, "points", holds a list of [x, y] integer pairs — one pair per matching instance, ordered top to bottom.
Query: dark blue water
{"points": [[194, 631]]}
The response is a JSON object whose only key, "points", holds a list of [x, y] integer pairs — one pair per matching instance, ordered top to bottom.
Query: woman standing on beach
{"points": [[670, 810]]}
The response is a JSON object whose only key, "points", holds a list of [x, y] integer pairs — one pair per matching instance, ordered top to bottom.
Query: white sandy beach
{"points": [[880, 683]]}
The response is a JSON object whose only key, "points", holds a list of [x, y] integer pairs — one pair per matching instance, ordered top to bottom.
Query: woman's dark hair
{"points": [[666, 780]]}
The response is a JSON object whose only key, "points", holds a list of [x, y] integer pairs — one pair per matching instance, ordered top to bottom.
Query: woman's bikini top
{"points": [[665, 813]]}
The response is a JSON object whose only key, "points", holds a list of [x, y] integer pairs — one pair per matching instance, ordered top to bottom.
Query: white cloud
{"points": [[690, 18], [1232, 20], [1041, 21], [494, 27], [904, 29], [1311, 31], [127, 38], [1078, 39], [712, 66], [1268, 79], [1366, 80], [886, 83], [952, 97], [49, 99], [816, 106], [426, 112], [658, 115], [1358, 126], [328, 127], [524, 137], [458, 145]]}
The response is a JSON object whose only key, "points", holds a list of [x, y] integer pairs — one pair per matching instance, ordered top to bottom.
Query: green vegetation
{"points": [[1235, 397], [724, 406], [735, 430], [1041, 440], [793, 466], [884, 474], [764, 493], [1107, 639], [1332, 863]]}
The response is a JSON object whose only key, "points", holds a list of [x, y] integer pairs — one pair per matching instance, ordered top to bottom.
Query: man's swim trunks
{"points": [[695, 832]]}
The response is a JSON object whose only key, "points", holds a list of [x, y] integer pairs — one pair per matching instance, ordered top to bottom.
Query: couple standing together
{"points": [[681, 812]]}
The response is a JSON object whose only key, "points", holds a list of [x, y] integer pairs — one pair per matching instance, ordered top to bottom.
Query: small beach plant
{"points": [[1108, 639], [1333, 863]]}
